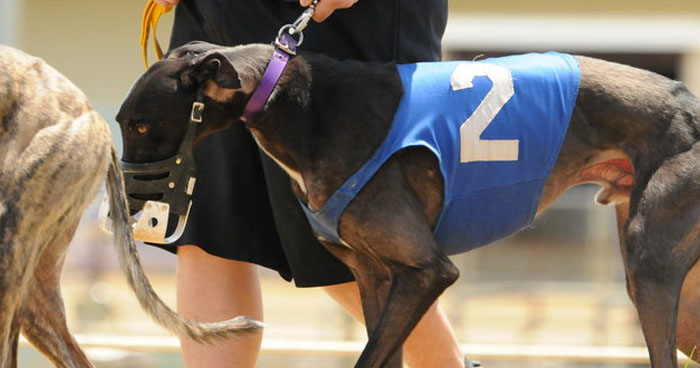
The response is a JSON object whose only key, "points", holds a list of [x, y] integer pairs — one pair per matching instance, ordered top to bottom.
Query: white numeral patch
{"points": [[473, 148]]}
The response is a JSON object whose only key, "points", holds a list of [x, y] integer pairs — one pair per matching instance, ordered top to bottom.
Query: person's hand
{"points": [[167, 2], [325, 8]]}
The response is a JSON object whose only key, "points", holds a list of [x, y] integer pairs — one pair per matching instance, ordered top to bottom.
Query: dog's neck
{"points": [[317, 114]]}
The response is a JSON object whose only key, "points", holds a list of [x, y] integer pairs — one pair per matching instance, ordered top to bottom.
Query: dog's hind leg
{"points": [[656, 123], [660, 245], [395, 260], [12, 290], [689, 315], [43, 319], [9, 323], [44, 325], [12, 344]]}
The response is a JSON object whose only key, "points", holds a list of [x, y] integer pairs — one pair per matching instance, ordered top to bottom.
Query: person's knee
{"points": [[211, 288]]}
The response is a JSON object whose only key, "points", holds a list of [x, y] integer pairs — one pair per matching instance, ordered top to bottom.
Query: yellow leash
{"points": [[149, 20]]}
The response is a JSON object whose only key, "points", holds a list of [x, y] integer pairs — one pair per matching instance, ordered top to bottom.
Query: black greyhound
{"points": [[633, 132]]}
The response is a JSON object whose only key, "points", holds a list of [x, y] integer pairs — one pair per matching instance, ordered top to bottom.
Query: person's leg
{"points": [[211, 289], [432, 342]]}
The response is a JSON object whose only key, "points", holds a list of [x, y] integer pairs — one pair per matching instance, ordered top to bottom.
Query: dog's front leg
{"points": [[399, 269], [374, 282], [398, 308]]}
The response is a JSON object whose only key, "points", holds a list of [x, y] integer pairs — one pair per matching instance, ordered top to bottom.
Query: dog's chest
{"points": [[496, 127]]}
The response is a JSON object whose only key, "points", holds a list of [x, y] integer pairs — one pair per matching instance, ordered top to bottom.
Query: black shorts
{"points": [[243, 207]]}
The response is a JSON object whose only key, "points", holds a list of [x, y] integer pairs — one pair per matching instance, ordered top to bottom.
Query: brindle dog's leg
{"points": [[660, 246], [394, 257], [11, 287], [43, 313], [44, 325], [13, 342]]}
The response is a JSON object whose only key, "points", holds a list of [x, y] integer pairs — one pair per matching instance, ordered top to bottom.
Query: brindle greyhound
{"points": [[633, 132], [55, 151]]}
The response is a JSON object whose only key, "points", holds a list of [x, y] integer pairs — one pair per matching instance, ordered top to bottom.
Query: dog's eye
{"points": [[142, 128]]}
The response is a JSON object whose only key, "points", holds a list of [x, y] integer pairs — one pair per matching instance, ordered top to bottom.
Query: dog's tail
{"points": [[149, 300]]}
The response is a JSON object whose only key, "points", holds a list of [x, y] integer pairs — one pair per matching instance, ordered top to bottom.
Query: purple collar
{"points": [[278, 62]]}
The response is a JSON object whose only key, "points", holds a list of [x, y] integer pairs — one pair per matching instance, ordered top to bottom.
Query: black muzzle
{"points": [[160, 189]]}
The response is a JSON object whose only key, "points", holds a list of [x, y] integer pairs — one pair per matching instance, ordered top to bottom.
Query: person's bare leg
{"points": [[211, 289], [432, 342]]}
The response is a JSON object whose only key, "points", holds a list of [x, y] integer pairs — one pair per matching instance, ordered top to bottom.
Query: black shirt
{"points": [[372, 30]]}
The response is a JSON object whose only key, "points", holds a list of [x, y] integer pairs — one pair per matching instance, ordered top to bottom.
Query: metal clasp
{"points": [[303, 20], [296, 28], [196, 114]]}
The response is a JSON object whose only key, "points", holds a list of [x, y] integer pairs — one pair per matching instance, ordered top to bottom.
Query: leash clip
{"points": [[303, 20], [300, 24], [295, 28]]}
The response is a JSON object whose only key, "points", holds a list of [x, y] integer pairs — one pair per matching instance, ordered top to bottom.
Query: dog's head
{"points": [[155, 114], [159, 121]]}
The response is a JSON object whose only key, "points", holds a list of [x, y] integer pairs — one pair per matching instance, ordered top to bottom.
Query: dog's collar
{"points": [[284, 48]]}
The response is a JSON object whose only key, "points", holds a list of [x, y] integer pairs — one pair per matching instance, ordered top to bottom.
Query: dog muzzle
{"points": [[160, 190]]}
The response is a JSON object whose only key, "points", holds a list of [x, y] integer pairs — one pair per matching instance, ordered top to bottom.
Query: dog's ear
{"points": [[215, 66]]}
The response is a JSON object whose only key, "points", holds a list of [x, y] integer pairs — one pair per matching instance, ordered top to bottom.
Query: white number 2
{"points": [[473, 148]]}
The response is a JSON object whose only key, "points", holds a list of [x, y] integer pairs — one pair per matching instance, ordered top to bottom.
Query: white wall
{"points": [[9, 19], [679, 35], [690, 70]]}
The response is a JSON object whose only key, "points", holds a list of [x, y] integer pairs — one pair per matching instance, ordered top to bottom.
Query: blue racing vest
{"points": [[496, 127]]}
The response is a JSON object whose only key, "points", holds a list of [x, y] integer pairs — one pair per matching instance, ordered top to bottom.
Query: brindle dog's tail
{"points": [[149, 300]]}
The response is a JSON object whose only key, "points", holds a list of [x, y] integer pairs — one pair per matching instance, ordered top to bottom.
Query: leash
{"points": [[149, 20]]}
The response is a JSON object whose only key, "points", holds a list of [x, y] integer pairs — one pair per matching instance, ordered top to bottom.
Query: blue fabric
{"points": [[484, 200]]}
